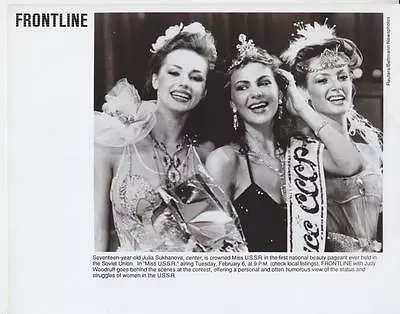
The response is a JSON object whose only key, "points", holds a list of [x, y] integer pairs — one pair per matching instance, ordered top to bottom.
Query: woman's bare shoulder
{"points": [[204, 149], [224, 157], [222, 164]]}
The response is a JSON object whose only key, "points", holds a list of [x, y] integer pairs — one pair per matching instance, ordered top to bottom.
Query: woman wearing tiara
{"points": [[323, 65], [149, 163], [275, 178]]}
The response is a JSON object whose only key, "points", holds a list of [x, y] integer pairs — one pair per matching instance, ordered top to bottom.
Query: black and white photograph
{"points": [[238, 132], [201, 157]]}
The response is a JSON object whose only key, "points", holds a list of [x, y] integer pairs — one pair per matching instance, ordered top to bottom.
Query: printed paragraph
{"points": [[164, 266]]}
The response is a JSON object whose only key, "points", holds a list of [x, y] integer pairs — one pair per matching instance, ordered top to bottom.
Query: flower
{"points": [[195, 28], [173, 31], [170, 33]]}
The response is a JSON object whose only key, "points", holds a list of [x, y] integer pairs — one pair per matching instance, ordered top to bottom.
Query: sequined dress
{"points": [[354, 208], [262, 219]]}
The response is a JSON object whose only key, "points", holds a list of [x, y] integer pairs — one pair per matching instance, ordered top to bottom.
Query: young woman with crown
{"points": [[323, 65], [148, 170], [273, 175]]}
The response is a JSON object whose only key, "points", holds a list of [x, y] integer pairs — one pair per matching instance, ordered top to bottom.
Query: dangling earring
{"points": [[280, 110], [235, 119]]}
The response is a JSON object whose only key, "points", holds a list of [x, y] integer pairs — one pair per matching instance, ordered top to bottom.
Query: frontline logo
{"points": [[51, 19]]}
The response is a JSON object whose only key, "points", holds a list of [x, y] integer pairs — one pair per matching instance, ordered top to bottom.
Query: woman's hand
{"points": [[297, 100], [340, 156]]}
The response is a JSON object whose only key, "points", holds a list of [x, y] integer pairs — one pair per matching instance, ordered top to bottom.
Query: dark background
{"points": [[123, 42]]}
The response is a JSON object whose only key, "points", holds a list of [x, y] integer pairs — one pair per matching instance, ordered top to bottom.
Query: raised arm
{"points": [[341, 156], [102, 204]]}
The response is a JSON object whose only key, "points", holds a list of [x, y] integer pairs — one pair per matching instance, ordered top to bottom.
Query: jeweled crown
{"points": [[310, 35], [247, 49], [329, 59]]}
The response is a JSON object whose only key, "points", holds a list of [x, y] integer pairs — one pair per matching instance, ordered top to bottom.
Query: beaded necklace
{"points": [[259, 158], [266, 159], [173, 165]]}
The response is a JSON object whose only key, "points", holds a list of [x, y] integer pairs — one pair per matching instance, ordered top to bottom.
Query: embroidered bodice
{"points": [[132, 193], [199, 203]]}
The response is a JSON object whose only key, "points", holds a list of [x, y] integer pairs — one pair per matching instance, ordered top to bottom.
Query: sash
{"points": [[305, 196]]}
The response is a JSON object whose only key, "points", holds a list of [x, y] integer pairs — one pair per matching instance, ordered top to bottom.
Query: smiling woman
{"points": [[323, 65], [180, 82], [330, 100], [263, 106], [150, 163], [273, 175]]}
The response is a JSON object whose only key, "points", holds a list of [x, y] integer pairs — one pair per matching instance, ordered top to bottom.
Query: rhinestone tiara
{"points": [[248, 50]]}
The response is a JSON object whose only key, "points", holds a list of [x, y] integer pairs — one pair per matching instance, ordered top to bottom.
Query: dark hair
{"points": [[202, 44], [304, 56], [283, 128]]}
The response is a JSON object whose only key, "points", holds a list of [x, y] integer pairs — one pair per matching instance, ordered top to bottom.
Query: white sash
{"points": [[305, 196]]}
